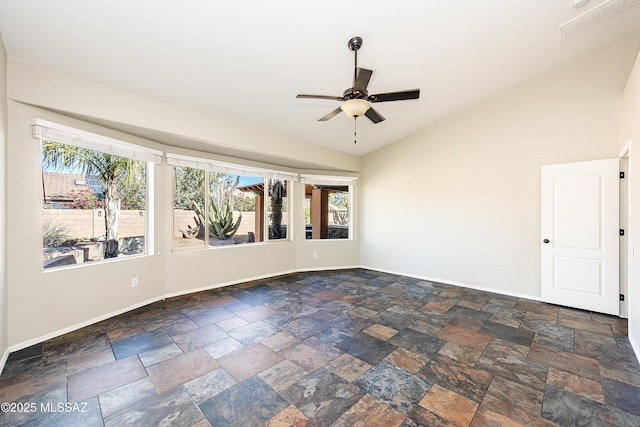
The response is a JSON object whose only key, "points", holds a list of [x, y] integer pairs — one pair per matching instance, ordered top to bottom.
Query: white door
{"points": [[580, 235]]}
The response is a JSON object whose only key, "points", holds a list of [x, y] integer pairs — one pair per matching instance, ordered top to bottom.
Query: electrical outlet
{"points": [[315, 254], [134, 282]]}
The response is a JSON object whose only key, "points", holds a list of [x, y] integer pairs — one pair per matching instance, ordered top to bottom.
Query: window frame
{"points": [[44, 130], [238, 169], [334, 180], [205, 203], [208, 204], [287, 209]]}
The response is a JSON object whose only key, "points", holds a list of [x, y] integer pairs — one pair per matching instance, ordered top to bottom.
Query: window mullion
{"points": [[266, 194], [207, 207], [150, 209]]}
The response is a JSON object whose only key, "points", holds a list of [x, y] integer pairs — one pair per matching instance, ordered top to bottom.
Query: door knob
{"points": [[546, 240]]}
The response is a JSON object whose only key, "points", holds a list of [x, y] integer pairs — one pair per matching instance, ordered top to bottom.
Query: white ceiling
{"points": [[247, 60]]}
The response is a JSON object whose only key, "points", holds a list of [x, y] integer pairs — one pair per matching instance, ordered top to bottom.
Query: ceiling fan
{"points": [[356, 100]]}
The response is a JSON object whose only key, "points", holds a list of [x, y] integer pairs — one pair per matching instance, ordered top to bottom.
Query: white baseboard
{"points": [[308, 269], [251, 279], [454, 283], [224, 284], [72, 328], [636, 347], [3, 359]]}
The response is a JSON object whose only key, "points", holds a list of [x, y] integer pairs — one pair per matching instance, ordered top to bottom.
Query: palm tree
{"points": [[114, 173], [276, 191]]}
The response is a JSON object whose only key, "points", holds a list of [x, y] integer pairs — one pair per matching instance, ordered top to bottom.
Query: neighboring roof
{"points": [[63, 186], [254, 188], [259, 188]]}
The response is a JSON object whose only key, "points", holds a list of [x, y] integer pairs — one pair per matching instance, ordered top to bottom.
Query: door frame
{"points": [[625, 250]]}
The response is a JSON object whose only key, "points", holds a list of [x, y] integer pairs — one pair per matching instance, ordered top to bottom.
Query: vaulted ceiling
{"points": [[247, 60]]}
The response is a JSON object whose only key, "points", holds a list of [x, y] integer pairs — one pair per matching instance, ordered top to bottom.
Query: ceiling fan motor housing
{"points": [[353, 93]]}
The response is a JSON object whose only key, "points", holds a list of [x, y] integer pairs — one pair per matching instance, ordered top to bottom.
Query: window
{"points": [[95, 196], [230, 199], [188, 200], [328, 202], [277, 209], [234, 216]]}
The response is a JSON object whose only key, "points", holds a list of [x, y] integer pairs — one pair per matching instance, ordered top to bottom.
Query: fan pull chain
{"points": [[355, 129]]}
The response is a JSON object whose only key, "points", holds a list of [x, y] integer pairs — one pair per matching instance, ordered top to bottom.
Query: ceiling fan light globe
{"points": [[355, 107]]}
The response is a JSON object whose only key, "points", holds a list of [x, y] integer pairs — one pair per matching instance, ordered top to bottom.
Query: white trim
{"points": [[45, 130], [625, 150], [187, 161], [230, 168], [236, 169], [328, 179], [150, 214], [623, 215], [90, 264], [343, 267], [229, 283], [459, 284], [77, 326], [635, 346], [3, 360]]}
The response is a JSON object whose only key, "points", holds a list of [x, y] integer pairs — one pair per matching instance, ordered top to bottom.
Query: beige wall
{"points": [[630, 134], [471, 185], [3, 206], [44, 304]]}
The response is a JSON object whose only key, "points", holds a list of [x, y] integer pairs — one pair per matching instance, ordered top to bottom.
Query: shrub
{"points": [[54, 234]]}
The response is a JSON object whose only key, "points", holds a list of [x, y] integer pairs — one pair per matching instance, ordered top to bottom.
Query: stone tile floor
{"points": [[338, 348]]}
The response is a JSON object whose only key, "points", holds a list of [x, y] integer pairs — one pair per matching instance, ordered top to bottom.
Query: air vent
{"points": [[594, 16]]}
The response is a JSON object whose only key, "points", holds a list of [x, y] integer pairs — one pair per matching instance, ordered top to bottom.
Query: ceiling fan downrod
{"points": [[354, 44]]}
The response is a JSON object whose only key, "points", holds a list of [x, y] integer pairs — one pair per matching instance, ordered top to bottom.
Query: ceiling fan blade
{"points": [[361, 79], [395, 96], [333, 98], [330, 115], [374, 116]]}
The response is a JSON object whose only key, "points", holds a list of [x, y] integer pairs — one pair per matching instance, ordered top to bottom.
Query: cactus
{"points": [[221, 225]]}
